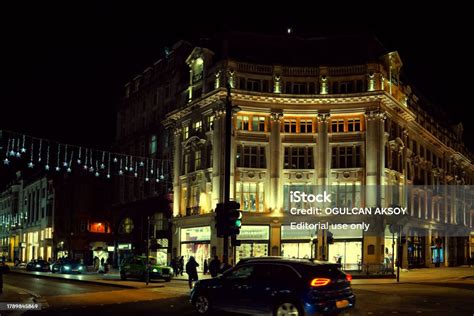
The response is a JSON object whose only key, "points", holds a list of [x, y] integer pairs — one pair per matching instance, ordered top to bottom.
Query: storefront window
{"points": [[195, 242], [254, 242]]}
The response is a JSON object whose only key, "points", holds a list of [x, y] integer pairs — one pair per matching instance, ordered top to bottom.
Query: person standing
{"points": [[181, 265], [214, 266], [206, 267], [3, 269], [191, 270]]}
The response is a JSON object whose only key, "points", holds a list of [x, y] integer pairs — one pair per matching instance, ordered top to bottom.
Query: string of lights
{"points": [[60, 157]]}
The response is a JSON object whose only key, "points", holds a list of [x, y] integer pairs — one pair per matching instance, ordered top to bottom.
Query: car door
{"points": [[235, 289]]}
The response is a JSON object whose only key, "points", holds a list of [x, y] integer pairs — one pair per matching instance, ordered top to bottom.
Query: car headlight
{"points": [[38, 266], [67, 267], [80, 268], [155, 270], [171, 271]]}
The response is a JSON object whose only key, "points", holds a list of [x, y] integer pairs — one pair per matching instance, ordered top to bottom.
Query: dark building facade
{"points": [[142, 205]]}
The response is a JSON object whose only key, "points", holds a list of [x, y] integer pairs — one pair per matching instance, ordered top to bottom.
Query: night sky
{"points": [[64, 68]]}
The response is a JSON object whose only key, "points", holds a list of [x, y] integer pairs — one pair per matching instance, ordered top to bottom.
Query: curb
{"points": [[81, 281]]}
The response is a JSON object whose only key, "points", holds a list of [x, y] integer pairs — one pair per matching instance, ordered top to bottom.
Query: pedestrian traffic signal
{"points": [[234, 218], [221, 220]]}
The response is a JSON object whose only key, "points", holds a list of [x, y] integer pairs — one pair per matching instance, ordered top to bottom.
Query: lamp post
{"points": [[148, 252]]}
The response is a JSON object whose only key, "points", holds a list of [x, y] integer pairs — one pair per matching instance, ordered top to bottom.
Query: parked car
{"points": [[37, 265], [68, 266], [135, 267], [276, 286]]}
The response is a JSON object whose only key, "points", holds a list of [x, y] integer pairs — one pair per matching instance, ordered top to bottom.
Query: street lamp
{"points": [[148, 252]]}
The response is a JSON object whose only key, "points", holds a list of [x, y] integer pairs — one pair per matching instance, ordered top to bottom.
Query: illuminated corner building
{"points": [[148, 97], [316, 111], [46, 215]]}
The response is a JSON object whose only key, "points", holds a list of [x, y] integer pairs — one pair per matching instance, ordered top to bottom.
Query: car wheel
{"points": [[123, 276], [167, 279], [202, 304], [287, 308]]}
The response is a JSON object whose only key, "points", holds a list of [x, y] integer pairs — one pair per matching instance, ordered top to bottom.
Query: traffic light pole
{"points": [[228, 130]]}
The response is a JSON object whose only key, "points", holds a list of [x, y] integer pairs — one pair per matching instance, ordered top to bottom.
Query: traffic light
{"points": [[234, 218], [221, 220], [330, 238]]}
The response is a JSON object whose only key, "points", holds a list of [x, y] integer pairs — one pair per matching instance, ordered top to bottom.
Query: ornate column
{"points": [[177, 132], [218, 154], [323, 164], [323, 167], [374, 170], [274, 194]]}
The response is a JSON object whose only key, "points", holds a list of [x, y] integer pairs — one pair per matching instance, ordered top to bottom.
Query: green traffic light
{"points": [[238, 223]]}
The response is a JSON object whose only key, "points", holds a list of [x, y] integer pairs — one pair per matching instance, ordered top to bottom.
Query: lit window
{"points": [[243, 122], [258, 123], [353, 125], [197, 126], [290, 126], [306, 126], [337, 126], [186, 132], [153, 144], [251, 156], [345, 157], [298, 158], [197, 160], [250, 195]]}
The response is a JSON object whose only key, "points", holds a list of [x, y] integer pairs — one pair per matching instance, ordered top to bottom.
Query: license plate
{"points": [[166, 275], [342, 304]]}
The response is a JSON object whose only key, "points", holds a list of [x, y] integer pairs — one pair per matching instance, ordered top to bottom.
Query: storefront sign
{"points": [[248, 232], [287, 233], [196, 234], [125, 246], [110, 248]]}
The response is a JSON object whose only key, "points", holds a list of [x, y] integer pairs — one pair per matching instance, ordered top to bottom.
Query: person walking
{"points": [[214, 266], [191, 270]]}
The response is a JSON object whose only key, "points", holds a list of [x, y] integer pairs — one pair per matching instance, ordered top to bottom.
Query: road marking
{"points": [[418, 312], [370, 313]]}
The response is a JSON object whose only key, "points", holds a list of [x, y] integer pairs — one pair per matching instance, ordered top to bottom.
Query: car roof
{"points": [[277, 259]]}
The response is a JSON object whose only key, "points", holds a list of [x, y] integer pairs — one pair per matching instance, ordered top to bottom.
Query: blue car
{"points": [[276, 286]]}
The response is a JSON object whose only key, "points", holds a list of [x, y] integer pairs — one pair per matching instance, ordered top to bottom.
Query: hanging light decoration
{"points": [[79, 156], [58, 157], [31, 164]]}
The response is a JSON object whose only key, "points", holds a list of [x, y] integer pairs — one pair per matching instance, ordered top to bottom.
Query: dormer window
{"points": [[198, 68]]}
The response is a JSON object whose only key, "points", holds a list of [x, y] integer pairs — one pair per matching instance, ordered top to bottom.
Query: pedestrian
{"points": [[96, 263], [174, 265], [181, 265], [214, 266], [101, 267], [206, 267], [3, 269], [191, 270]]}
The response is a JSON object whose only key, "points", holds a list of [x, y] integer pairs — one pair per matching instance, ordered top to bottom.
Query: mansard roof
{"points": [[351, 49]]}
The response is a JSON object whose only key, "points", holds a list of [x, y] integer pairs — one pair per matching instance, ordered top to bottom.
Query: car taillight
{"points": [[348, 277], [320, 282]]}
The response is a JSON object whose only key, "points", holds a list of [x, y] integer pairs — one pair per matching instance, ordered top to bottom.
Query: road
{"points": [[52, 287], [440, 295]]}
